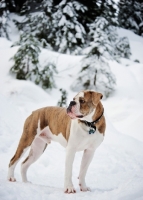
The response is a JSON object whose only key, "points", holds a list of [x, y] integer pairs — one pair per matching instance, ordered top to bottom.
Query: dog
{"points": [[80, 127]]}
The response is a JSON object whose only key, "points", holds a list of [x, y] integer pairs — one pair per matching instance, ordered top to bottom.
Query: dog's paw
{"points": [[12, 179], [84, 188], [69, 190]]}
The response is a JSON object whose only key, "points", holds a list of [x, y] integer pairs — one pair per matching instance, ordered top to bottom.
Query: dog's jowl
{"points": [[80, 127]]}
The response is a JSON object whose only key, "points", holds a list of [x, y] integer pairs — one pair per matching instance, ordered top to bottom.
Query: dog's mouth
{"points": [[72, 112]]}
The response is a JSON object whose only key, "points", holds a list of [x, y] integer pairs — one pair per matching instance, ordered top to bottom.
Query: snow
{"points": [[116, 171]]}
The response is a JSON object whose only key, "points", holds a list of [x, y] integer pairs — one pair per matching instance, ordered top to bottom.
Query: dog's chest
{"points": [[81, 139]]}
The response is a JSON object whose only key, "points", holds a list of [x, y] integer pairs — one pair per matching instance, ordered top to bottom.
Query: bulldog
{"points": [[80, 127]]}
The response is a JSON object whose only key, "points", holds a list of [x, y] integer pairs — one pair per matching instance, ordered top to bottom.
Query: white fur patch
{"points": [[80, 94], [76, 108], [49, 136], [60, 138], [81, 139]]}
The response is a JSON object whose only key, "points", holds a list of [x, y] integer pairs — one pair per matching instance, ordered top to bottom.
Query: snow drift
{"points": [[116, 171]]}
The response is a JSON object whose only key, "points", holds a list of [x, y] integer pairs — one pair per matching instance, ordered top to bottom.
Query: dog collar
{"points": [[92, 124]]}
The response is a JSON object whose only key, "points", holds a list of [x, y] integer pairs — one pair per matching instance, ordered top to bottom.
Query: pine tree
{"points": [[26, 7], [108, 10], [91, 11], [79, 14], [131, 15], [3, 19], [38, 23], [59, 25], [64, 25], [68, 32], [105, 41], [105, 45], [122, 48], [26, 58], [26, 63], [95, 75], [44, 76]]}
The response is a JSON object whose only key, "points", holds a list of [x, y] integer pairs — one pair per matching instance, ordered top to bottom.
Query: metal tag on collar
{"points": [[92, 130]]}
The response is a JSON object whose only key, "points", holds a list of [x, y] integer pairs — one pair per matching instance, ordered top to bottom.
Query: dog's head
{"points": [[83, 104]]}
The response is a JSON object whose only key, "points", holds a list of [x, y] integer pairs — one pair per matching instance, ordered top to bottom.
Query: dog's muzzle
{"points": [[69, 109], [72, 111]]}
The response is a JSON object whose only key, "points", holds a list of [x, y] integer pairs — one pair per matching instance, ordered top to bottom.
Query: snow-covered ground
{"points": [[116, 172]]}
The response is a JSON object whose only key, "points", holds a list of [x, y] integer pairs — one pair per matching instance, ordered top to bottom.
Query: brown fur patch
{"points": [[87, 106], [54, 117], [57, 120], [101, 125], [26, 139]]}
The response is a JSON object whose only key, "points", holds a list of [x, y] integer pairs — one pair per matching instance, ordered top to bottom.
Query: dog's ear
{"points": [[96, 96]]}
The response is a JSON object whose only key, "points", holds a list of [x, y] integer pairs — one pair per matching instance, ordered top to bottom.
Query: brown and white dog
{"points": [[80, 127]]}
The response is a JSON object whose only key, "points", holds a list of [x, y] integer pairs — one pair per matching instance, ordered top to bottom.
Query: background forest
{"points": [[87, 28]]}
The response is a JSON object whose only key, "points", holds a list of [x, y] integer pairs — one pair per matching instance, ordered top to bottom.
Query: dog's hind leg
{"points": [[29, 132], [37, 148], [21, 150]]}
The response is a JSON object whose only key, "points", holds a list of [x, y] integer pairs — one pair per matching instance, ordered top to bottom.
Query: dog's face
{"points": [[83, 104]]}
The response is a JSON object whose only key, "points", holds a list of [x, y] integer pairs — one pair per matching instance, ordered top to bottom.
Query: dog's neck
{"points": [[89, 117], [94, 117]]}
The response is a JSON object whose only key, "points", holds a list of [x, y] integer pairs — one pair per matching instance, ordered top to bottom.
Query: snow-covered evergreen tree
{"points": [[26, 7], [108, 10], [88, 14], [131, 15], [3, 19], [72, 20], [38, 23], [58, 25], [64, 25], [68, 32], [103, 38], [105, 41], [105, 45], [122, 48], [26, 58], [26, 63], [95, 75], [44, 76], [63, 101]]}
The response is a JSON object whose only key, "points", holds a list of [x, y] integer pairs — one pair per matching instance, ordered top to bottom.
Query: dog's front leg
{"points": [[86, 160], [68, 185]]}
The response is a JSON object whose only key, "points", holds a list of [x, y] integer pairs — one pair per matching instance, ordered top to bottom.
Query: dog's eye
{"points": [[81, 101]]}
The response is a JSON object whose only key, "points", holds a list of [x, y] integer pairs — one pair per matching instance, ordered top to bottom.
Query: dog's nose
{"points": [[72, 103]]}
